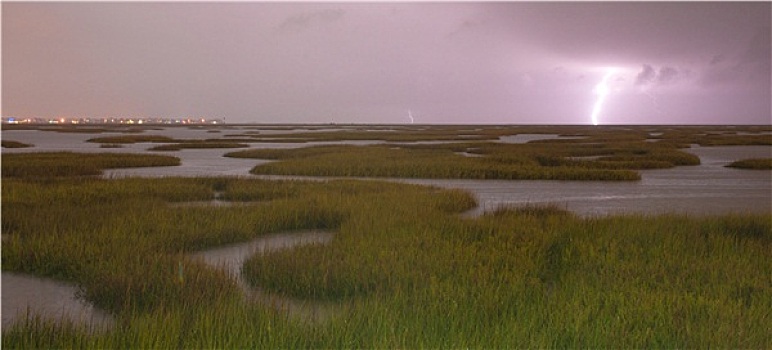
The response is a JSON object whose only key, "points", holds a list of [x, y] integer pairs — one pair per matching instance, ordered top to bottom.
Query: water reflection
{"points": [[525, 138], [25, 294]]}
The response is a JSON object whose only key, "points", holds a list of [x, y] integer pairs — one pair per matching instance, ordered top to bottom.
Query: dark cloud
{"points": [[305, 20], [465, 26], [758, 55], [751, 66], [646, 75], [667, 75], [664, 76]]}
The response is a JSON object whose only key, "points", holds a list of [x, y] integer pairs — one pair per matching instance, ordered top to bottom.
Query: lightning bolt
{"points": [[602, 91], [410, 115]]}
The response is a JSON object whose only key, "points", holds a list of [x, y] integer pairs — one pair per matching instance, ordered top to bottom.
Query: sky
{"points": [[388, 62]]}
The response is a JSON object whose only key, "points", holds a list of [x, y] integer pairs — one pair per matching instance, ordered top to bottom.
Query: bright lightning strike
{"points": [[602, 91], [410, 115]]}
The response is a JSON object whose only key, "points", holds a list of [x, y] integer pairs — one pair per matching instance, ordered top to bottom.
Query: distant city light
{"points": [[110, 120]]}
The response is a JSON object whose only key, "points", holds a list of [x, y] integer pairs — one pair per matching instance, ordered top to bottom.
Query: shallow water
{"points": [[525, 138], [709, 188], [230, 259], [50, 299], [55, 300]]}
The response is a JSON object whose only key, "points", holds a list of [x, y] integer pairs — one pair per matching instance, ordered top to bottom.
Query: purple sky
{"points": [[504, 62]]}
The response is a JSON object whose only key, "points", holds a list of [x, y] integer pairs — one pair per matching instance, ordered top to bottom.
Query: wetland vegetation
{"points": [[14, 144], [197, 145], [555, 160], [754, 163], [54, 164], [410, 270], [413, 272]]}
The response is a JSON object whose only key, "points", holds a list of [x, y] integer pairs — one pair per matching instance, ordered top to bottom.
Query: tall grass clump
{"points": [[124, 139], [14, 144], [197, 145], [414, 162], [753, 163]]}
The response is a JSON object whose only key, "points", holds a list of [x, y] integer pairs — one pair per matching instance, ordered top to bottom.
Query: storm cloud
{"points": [[512, 62]]}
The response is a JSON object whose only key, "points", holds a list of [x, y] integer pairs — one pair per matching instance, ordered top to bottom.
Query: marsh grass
{"points": [[436, 133], [675, 135], [127, 139], [14, 144], [198, 145], [607, 153], [540, 161], [754, 163], [57, 164], [414, 273], [542, 277]]}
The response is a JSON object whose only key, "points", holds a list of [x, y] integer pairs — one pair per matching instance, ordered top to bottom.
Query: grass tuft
{"points": [[14, 144], [754, 163]]}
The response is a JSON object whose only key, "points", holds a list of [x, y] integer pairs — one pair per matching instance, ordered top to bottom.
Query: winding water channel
{"points": [[709, 188], [231, 258], [24, 294]]}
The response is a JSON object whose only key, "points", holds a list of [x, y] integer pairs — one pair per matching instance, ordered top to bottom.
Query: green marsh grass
{"points": [[407, 135], [682, 135], [125, 139], [14, 144], [198, 145], [605, 153], [538, 161], [754, 163], [55, 164], [414, 272], [539, 277]]}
